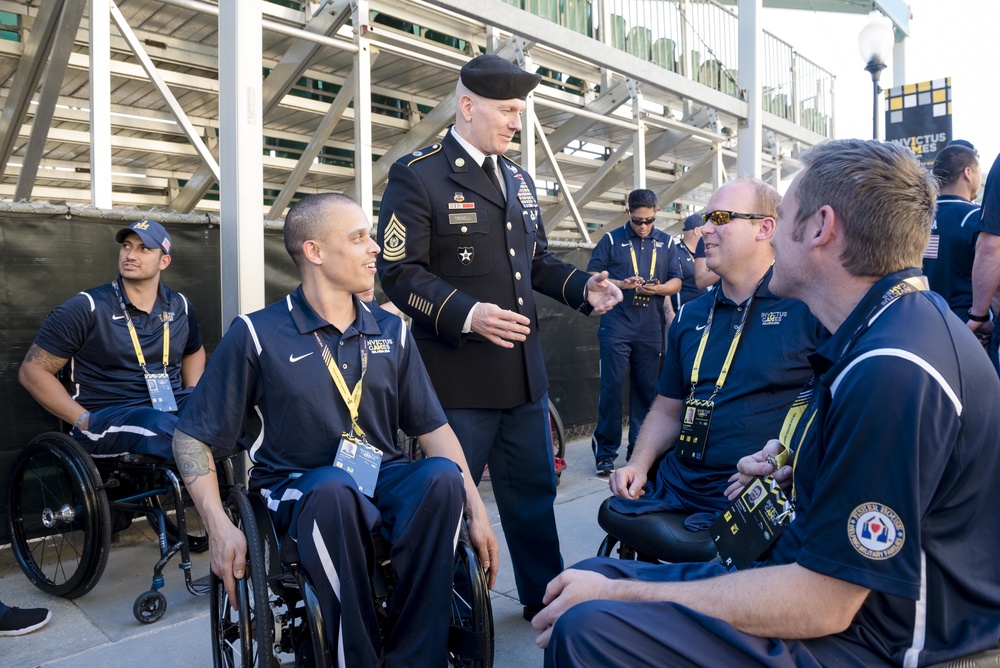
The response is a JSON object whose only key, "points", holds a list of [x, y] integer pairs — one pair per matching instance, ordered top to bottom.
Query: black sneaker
{"points": [[605, 466], [530, 611], [17, 622]]}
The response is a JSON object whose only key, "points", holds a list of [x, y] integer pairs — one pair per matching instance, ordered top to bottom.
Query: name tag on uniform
{"points": [[462, 218], [161, 395], [694, 429], [361, 460], [754, 520]]}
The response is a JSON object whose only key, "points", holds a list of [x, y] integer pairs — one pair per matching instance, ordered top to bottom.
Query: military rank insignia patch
{"points": [[394, 242]]}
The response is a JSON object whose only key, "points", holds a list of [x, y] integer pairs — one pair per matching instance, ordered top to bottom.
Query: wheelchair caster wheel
{"points": [[149, 607]]}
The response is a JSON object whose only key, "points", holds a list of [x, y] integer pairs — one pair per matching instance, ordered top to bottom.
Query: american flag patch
{"points": [[931, 252]]}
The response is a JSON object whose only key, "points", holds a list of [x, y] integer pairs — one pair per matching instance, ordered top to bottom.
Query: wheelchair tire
{"points": [[558, 432], [58, 516], [197, 533], [243, 638], [470, 638]]}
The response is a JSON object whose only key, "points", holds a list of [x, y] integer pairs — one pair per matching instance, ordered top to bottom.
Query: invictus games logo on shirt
{"points": [[772, 317], [379, 346], [875, 531]]}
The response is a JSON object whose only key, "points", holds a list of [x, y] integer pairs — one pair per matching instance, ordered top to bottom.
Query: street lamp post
{"points": [[875, 44]]}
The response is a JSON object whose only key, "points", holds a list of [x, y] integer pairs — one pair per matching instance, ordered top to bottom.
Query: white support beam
{"points": [[69, 22], [751, 56], [161, 86], [100, 104], [639, 139], [241, 147], [363, 183], [595, 185], [580, 225]]}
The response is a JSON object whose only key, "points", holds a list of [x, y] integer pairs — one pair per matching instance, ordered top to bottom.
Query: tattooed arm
{"points": [[38, 376], [227, 543]]}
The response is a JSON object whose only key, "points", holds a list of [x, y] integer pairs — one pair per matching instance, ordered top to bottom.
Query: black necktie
{"points": [[491, 171]]}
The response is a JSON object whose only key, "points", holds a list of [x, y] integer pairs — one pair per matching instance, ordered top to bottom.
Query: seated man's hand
{"points": [[757, 464], [628, 482], [484, 541], [229, 556], [566, 590]]}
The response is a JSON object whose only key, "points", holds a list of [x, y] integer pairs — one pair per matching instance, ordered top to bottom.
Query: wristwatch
{"points": [[977, 318]]}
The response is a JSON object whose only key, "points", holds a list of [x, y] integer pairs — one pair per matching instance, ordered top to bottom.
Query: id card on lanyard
{"points": [[637, 299], [161, 393], [697, 417], [355, 455]]}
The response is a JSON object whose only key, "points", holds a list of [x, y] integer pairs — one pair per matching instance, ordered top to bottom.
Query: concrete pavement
{"points": [[99, 630]]}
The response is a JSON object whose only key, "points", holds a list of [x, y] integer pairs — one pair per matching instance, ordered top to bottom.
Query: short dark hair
{"points": [[952, 161], [883, 195], [638, 199], [307, 219]]}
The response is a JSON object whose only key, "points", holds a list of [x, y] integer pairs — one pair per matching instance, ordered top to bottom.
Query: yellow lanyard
{"points": [[635, 262], [135, 337], [724, 373], [805, 398], [352, 399]]}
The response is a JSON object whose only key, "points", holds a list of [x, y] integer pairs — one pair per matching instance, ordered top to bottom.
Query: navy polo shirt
{"points": [[990, 213], [952, 250], [613, 254], [689, 289], [90, 329], [770, 367], [268, 378], [896, 479]]}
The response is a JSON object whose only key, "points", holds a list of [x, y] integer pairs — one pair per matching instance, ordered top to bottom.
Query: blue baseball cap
{"points": [[693, 221], [151, 233]]}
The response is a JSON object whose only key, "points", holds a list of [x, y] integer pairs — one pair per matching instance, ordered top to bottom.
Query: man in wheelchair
{"points": [[136, 351], [736, 358], [317, 384], [889, 556]]}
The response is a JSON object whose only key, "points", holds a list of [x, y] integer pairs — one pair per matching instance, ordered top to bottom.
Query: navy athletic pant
{"points": [[618, 356], [137, 429], [517, 445], [417, 507], [663, 634]]}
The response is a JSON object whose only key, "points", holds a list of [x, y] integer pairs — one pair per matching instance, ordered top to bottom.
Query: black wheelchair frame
{"points": [[61, 502], [278, 612]]}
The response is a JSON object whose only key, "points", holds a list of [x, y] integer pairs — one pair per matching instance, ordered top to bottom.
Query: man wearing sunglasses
{"points": [[643, 262], [705, 418], [889, 557]]}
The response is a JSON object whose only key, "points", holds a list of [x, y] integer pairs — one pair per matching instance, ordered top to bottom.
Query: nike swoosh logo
{"points": [[626, 245], [117, 317], [699, 328], [293, 359]]}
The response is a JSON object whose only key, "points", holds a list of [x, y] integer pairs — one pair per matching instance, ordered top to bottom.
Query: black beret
{"points": [[497, 78]]}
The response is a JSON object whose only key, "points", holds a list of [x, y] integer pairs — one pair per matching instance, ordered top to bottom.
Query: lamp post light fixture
{"points": [[875, 45]]}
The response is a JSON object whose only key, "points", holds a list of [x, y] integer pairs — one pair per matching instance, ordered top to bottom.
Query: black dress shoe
{"points": [[530, 611]]}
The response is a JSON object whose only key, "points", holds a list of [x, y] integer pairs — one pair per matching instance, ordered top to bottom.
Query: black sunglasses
{"points": [[724, 217], [643, 221]]}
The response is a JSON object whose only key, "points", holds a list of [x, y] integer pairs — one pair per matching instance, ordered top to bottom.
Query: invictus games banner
{"points": [[918, 116]]}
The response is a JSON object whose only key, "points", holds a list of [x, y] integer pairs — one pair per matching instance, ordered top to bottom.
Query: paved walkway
{"points": [[98, 630]]}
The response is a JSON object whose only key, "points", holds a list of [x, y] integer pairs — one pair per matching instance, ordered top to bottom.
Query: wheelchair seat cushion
{"points": [[659, 534]]}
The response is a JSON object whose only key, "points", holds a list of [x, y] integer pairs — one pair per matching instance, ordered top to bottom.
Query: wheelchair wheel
{"points": [[557, 435], [60, 525], [197, 533], [244, 637], [470, 639]]}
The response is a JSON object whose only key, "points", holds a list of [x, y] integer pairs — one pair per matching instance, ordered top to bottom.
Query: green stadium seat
{"points": [[640, 43], [664, 53]]}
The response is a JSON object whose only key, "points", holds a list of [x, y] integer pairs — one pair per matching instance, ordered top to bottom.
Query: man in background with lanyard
{"points": [[643, 262], [135, 350], [736, 358], [317, 385], [893, 469]]}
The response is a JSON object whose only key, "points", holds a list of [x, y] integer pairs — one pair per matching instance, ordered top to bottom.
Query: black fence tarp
{"points": [[44, 261]]}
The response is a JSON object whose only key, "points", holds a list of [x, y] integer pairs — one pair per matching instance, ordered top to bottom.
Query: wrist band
{"points": [[977, 318], [79, 420]]}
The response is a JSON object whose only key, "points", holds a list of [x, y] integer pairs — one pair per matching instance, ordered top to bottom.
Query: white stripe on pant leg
{"points": [[334, 580]]}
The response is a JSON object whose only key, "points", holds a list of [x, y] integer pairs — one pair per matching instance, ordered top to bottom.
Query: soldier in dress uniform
{"points": [[464, 249]]}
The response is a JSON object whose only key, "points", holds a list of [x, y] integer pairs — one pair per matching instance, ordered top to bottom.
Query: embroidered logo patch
{"points": [[394, 248], [465, 255], [772, 317], [379, 346], [875, 531]]}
